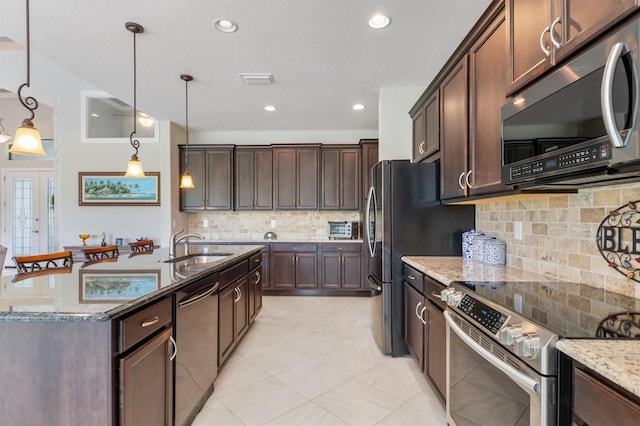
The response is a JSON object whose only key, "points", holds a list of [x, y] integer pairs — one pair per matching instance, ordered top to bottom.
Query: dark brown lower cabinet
{"points": [[294, 270], [341, 270], [255, 293], [233, 314], [413, 325], [425, 328], [436, 358], [146, 383], [598, 403]]}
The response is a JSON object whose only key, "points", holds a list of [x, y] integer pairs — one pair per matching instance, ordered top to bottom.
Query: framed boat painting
{"points": [[114, 189], [111, 286]]}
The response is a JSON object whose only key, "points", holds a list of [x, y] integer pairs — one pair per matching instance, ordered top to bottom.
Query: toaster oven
{"points": [[344, 230]]}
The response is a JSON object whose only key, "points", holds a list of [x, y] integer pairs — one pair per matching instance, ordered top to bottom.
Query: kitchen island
{"points": [[83, 347]]}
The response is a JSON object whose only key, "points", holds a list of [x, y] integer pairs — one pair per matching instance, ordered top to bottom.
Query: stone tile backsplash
{"points": [[252, 225], [559, 234]]}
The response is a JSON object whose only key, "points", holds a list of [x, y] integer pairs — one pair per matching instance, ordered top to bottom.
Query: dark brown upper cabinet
{"points": [[544, 32], [487, 91], [426, 128], [453, 132], [369, 159], [212, 172], [295, 177], [253, 178], [340, 178]]}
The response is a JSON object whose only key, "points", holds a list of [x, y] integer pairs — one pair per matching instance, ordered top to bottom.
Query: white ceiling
{"points": [[322, 54]]}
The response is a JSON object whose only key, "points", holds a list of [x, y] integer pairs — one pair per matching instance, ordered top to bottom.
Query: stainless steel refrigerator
{"points": [[405, 217]]}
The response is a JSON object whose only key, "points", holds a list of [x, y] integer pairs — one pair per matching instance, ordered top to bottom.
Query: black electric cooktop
{"points": [[568, 309]]}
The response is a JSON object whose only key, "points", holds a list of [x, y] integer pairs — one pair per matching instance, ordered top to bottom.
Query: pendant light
{"points": [[4, 136], [27, 140], [134, 167], [186, 181]]}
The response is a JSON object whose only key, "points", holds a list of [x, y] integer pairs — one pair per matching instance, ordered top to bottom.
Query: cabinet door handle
{"points": [[553, 25], [546, 51], [421, 147], [466, 179], [460, 180], [256, 260], [258, 277], [411, 277], [239, 294], [436, 295], [237, 298], [417, 307], [422, 317], [150, 321], [175, 349]]}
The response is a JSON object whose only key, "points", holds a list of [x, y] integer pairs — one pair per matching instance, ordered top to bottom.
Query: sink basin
{"points": [[199, 258]]}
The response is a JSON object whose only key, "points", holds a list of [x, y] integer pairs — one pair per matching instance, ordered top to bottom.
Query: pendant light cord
{"points": [[135, 29], [29, 102], [186, 120]]}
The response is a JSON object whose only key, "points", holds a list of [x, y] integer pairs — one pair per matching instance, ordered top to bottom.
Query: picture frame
{"points": [[114, 189], [119, 242], [109, 286]]}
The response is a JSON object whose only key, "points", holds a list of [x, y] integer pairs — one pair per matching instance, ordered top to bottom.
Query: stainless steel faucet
{"points": [[174, 242]]}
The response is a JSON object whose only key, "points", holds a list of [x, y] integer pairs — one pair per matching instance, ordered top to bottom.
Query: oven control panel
{"points": [[488, 317]]}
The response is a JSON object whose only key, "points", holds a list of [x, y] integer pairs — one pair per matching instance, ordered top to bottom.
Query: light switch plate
{"points": [[205, 223], [273, 223]]}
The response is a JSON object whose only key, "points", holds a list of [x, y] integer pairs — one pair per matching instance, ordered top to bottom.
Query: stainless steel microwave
{"points": [[577, 126]]}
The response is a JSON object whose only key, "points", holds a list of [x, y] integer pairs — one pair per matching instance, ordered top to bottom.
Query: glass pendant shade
{"points": [[4, 137], [27, 141], [134, 167], [186, 181]]}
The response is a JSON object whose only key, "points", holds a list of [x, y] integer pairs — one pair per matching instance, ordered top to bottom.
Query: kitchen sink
{"points": [[199, 258]]}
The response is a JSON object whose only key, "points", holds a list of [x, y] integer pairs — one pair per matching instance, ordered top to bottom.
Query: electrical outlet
{"points": [[205, 223], [273, 223], [517, 231]]}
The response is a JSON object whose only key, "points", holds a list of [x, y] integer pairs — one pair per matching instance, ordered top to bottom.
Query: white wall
{"points": [[61, 89], [395, 127]]}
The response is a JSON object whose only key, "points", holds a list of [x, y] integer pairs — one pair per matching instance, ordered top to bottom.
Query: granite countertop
{"points": [[279, 240], [103, 291], [614, 359], [617, 360]]}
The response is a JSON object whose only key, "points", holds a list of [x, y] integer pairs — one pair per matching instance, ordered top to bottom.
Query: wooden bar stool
{"points": [[141, 247], [100, 254], [40, 262]]}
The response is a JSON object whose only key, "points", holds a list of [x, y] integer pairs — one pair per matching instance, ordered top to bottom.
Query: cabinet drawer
{"points": [[303, 247], [340, 247], [255, 260], [231, 274], [414, 277], [432, 289], [138, 326], [590, 396]]}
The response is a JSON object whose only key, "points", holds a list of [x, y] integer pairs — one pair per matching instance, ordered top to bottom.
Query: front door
{"points": [[28, 219]]}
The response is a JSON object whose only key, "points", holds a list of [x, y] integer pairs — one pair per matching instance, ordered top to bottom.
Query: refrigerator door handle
{"points": [[370, 201], [373, 284]]}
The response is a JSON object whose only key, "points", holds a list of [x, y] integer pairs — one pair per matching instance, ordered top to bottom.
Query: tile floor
{"points": [[312, 361]]}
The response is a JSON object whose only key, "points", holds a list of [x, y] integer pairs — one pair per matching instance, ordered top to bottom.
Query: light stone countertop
{"points": [[277, 240], [617, 360]]}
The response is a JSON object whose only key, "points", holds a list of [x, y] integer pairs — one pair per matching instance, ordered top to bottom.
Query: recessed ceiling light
{"points": [[379, 21], [226, 26], [257, 78], [358, 107], [270, 108], [93, 114]]}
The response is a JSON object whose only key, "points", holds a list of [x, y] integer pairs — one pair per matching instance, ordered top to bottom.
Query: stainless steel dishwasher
{"points": [[197, 343]]}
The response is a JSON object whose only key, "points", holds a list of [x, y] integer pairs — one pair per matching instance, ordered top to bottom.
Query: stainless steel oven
{"points": [[499, 366]]}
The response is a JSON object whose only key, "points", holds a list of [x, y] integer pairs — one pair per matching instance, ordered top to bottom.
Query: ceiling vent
{"points": [[257, 78]]}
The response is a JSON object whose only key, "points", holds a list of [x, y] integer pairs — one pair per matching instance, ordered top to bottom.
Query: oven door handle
{"points": [[521, 379]]}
